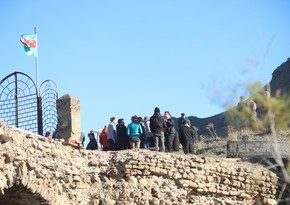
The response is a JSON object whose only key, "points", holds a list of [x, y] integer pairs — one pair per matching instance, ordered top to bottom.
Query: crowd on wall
{"points": [[157, 132]]}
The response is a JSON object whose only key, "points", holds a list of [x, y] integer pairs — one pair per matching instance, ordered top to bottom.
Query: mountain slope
{"points": [[280, 82]]}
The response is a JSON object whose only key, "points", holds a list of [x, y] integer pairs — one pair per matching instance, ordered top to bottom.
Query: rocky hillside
{"points": [[280, 82]]}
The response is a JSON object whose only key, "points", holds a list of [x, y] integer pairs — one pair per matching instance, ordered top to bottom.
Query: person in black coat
{"points": [[157, 127], [169, 132], [186, 136], [122, 137], [93, 144]]}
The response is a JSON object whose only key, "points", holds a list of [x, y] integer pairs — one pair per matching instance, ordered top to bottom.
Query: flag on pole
{"points": [[29, 42]]}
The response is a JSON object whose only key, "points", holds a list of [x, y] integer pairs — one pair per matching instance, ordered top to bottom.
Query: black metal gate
{"points": [[49, 95], [22, 107]]}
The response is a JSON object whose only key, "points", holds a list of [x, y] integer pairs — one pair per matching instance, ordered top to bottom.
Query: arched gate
{"points": [[49, 95], [21, 105]]}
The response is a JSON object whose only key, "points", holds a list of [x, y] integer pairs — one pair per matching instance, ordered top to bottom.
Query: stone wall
{"points": [[47, 172]]}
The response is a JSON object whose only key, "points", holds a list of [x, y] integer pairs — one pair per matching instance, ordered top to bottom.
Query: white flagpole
{"points": [[36, 58]]}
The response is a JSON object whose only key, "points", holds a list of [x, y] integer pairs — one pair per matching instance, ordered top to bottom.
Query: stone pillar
{"points": [[69, 118]]}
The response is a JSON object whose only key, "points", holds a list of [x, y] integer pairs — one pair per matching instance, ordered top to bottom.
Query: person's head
{"points": [[242, 98], [156, 110], [167, 115], [182, 115], [134, 118], [146, 118], [113, 119], [140, 119], [121, 121], [185, 123], [105, 129], [47, 134], [91, 135]]}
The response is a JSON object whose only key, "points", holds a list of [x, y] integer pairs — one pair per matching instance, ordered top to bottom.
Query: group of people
{"points": [[157, 133], [54, 135]]}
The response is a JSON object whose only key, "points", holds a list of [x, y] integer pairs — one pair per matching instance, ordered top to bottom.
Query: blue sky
{"points": [[122, 58]]}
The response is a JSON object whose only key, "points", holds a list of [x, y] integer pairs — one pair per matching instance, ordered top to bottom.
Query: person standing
{"points": [[182, 119], [157, 127], [134, 131], [170, 132], [112, 133], [55, 134], [148, 134], [48, 135], [187, 135], [122, 137], [143, 137], [82, 138], [104, 139], [176, 142], [93, 144]]}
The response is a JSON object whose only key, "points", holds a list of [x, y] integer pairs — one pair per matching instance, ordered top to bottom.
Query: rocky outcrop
{"points": [[280, 79], [279, 83], [36, 170]]}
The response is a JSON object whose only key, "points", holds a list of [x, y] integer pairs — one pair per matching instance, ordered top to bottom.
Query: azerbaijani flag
{"points": [[29, 42]]}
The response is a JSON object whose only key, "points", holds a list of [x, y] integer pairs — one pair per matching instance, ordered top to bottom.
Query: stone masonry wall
{"points": [[69, 117], [57, 174]]}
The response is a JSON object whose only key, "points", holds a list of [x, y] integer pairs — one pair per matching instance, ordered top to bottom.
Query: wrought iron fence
{"points": [[22, 107]]}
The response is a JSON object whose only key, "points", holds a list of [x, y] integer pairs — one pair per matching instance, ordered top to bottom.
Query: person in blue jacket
{"points": [[134, 131]]}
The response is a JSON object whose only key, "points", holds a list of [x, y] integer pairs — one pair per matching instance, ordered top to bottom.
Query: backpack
{"points": [[157, 123]]}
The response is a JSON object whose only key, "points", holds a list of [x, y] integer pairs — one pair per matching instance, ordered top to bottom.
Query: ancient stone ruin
{"points": [[69, 118], [35, 170]]}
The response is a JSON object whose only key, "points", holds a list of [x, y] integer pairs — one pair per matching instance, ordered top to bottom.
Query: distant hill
{"points": [[280, 82]]}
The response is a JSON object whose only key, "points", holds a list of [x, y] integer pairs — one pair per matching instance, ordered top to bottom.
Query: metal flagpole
{"points": [[36, 57], [39, 100]]}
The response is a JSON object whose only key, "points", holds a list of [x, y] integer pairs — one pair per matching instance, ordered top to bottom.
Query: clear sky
{"points": [[122, 58]]}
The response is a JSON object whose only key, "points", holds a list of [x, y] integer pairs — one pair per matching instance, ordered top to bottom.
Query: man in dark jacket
{"points": [[182, 119], [157, 127], [169, 132], [187, 135], [122, 137], [93, 144]]}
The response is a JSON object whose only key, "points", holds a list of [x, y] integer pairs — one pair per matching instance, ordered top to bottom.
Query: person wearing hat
{"points": [[182, 119], [157, 127], [134, 131]]}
